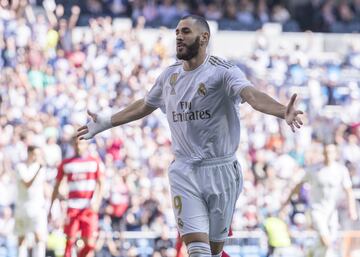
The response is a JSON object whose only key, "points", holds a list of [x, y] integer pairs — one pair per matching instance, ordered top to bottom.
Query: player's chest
{"points": [[190, 90], [80, 170], [326, 179]]}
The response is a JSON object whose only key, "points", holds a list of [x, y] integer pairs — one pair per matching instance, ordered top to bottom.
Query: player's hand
{"points": [[292, 115], [96, 125], [95, 207], [353, 215], [49, 217], [325, 240]]}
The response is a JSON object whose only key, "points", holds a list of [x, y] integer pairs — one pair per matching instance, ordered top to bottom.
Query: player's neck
{"points": [[195, 62], [79, 155], [30, 161], [330, 162]]}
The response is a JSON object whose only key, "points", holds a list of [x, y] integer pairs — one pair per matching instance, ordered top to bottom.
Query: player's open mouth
{"points": [[180, 45]]}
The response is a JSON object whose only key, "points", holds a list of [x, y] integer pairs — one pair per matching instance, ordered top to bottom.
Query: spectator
{"points": [[245, 12], [168, 13], [262, 13], [345, 13], [280, 14], [328, 16], [8, 242]]}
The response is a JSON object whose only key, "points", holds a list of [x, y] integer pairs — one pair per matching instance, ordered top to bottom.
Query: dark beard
{"points": [[191, 50]]}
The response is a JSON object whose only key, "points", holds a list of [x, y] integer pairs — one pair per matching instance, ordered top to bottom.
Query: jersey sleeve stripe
{"points": [[219, 62], [216, 63], [226, 63], [176, 64]]}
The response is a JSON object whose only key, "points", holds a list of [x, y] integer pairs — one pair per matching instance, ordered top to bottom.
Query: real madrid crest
{"points": [[172, 82], [202, 89]]}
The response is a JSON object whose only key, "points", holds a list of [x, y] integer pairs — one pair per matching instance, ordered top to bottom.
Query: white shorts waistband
{"points": [[208, 162]]}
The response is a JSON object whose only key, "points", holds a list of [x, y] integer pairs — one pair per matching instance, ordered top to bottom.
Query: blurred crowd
{"points": [[315, 15], [48, 81]]}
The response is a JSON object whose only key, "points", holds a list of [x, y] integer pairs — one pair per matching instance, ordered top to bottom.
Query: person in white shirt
{"points": [[200, 95], [327, 182], [30, 213]]}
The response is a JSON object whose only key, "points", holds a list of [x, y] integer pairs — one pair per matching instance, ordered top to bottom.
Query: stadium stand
{"points": [[52, 71]]}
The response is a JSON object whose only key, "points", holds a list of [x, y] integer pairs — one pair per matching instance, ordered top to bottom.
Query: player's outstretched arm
{"points": [[266, 104], [98, 123], [31, 181], [294, 191]]}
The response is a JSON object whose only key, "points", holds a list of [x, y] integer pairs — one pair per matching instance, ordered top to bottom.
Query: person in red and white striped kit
{"points": [[83, 174]]}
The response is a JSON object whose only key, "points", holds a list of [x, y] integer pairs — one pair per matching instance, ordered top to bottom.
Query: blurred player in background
{"points": [[200, 95], [83, 174], [327, 182], [30, 212]]}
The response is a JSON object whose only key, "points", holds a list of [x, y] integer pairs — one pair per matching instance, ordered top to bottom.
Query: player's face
{"points": [[187, 40], [79, 146], [330, 153], [33, 155]]}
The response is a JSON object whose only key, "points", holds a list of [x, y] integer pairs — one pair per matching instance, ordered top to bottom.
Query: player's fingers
{"points": [[298, 112], [92, 115], [298, 120], [297, 124], [300, 124], [292, 127], [82, 128], [81, 133], [86, 137]]}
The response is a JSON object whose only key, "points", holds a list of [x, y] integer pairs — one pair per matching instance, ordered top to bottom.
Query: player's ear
{"points": [[204, 39]]}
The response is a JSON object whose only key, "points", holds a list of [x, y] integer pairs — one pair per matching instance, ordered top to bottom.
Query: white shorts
{"points": [[204, 195], [28, 222], [326, 223]]}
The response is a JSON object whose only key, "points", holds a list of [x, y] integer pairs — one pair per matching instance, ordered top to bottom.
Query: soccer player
{"points": [[200, 95], [83, 174], [327, 183], [30, 212]]}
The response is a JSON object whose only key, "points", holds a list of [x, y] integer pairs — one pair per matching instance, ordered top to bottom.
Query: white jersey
{"points": [[201, 106], [327, 184], [32, 197]]}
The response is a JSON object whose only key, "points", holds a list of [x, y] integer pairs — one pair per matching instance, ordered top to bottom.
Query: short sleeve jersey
{"points": [[201, 106], [82, 175], [327, 184], [34, 195]]}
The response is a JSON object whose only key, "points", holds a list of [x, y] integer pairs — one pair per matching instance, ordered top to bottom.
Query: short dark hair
{"points": [[199, 20], [31, 148]]}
